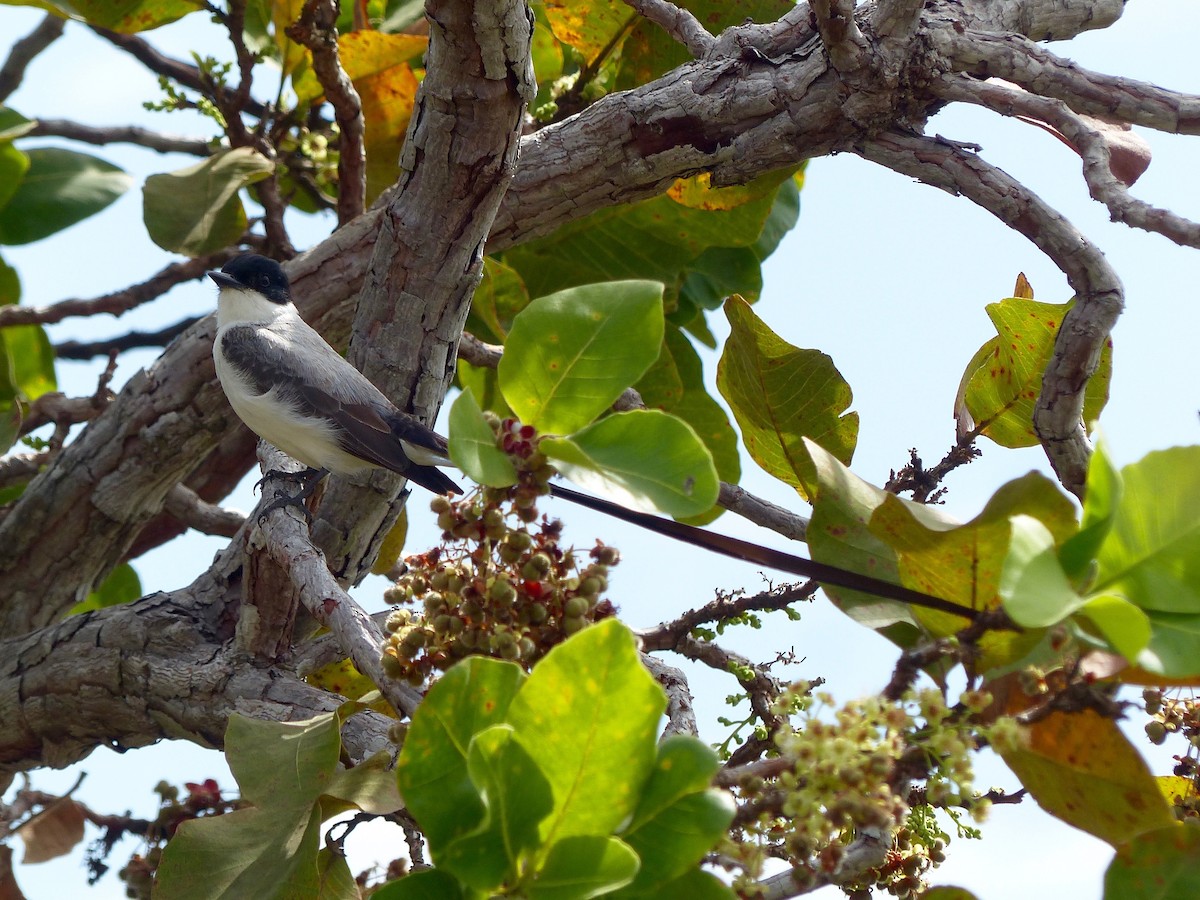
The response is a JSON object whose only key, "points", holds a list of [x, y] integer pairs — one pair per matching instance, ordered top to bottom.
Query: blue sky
{"points": [[887, 276]]}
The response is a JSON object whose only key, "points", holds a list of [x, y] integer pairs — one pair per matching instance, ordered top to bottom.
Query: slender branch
{"points": [[676, 21], [317, 30], [23, 52], [1037, 69], [185, 74], [118, 134], [1088, 141], [119, 302], [1085, 329], [88, 349], [207, 518], [666, 635]]}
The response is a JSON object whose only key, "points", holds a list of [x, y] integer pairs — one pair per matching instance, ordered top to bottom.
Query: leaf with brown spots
{"points": [[1007, 378], [1082, 769]]}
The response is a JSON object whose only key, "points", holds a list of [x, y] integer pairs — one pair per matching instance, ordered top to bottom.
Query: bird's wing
{"points": [[369, 425]]}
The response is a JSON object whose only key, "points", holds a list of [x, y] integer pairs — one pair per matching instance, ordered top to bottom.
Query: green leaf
{"points": [[125, 16], [593, 27], [12, 126], [13, 166], [60, 188], [197, 210], [660, 239], [500, 296], [571, 354], [30, 360], [675, 384], [485, 385], [1001, 393], [780, 395], [473, 445], [643, 459], [1100, 505], [1151, 554], [1033, 585], [121, 586], [1123, 625], [1174, 647], [588, 716], [432, 770], [369, 786], [517, 797], [679, 818], [271, 849], [1158, 865], [583, 866], [428, 884], [694, 884], [945, 892]]}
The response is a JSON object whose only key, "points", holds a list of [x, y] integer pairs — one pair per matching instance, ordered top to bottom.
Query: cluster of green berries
{"points": [[501, 584], [1181, 716], [851, 768]]}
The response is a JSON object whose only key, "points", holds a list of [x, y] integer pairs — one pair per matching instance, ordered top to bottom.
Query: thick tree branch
{"points": [[23, 52], [458, 160], [185, 505]]}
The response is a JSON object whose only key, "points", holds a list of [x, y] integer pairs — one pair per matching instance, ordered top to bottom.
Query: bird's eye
{"points": [[264, 280]]}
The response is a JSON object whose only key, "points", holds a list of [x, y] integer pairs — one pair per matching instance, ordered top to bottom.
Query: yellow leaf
{"points": [[53, 832]]}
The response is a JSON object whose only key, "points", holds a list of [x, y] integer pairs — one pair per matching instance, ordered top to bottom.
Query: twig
{"points": [[679, 23], [317, 30], [23, 51], [1016, 58], [180, 72], [121, 134], [1088, 142], [118, 302], [1085, 329], [129, 341], [924, 483], [207, 518], [726, 606], [959, 648], [681, 717]]}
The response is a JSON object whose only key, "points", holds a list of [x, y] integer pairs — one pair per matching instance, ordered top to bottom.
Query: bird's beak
{"points": [[224, 280]]}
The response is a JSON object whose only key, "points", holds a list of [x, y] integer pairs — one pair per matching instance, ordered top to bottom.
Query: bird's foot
{"points": [[308, 480]]}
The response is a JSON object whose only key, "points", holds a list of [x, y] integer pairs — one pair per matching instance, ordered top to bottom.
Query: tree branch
{"points": [[676, 21], [317, 30], [23, 52], [1016, 58], [117, 134], [1088, 141], [118, 302], [1085, 329], [89, 349], [185, 505]]}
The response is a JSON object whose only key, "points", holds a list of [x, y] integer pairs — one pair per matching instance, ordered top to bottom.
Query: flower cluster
{"points": [[1181, 716], [851, 773]]}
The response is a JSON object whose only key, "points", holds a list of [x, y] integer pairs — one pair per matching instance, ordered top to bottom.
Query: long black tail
{"points": [[763, 556]]}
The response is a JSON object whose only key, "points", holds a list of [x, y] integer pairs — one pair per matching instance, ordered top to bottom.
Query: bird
{"points": [[295, 391]]}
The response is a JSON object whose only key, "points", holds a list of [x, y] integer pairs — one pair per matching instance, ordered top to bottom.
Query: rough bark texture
{"points": [[825, 78]]}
